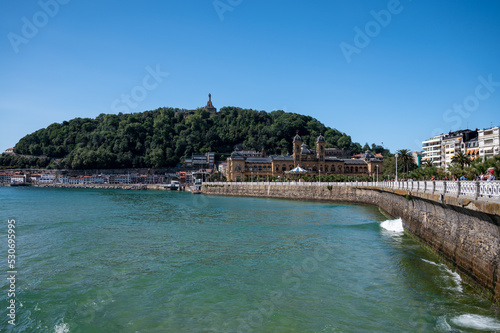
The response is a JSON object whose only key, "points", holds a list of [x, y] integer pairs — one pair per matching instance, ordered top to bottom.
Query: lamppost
{"points": [[396, 167], [319, 171], [377, 173]]}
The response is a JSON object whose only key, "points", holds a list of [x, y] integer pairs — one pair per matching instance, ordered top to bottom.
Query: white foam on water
{"points": [[394, 226], [431, 262], [453, 275], [456, 278], [477, 322], [442, 325], [61, 328]]}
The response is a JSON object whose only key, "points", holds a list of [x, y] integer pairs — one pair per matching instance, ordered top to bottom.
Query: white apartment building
{"points": [[489, 142], [440, 149], [432, 150]]}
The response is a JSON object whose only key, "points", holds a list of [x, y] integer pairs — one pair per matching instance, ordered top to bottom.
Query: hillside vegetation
{"points": [[159, 138]]}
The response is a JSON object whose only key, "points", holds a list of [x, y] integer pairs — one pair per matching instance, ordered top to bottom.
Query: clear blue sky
{"points": [[396, 82]]}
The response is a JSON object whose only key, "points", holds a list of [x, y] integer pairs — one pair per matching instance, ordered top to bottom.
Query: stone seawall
{"points": [[465, 233]]}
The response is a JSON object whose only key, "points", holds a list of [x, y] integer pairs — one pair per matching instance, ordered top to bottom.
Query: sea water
{"points": [[92, 260]]}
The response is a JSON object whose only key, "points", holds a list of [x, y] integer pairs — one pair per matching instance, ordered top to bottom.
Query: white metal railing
{"points": [[470, 189]]}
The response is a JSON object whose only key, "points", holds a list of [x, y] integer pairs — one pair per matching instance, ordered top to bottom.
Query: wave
{"points": [[393, 226], [453, 275], [477, 322]]}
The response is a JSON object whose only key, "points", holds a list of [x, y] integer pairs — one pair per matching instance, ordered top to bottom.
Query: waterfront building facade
{"points": [[489, 142], [454, 143], [441, 149], [432, 150], [206, 160], [315, 162], [5, 178]]}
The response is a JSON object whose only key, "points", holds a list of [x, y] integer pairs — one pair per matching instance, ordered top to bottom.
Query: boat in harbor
{"points": [[174, 186]]}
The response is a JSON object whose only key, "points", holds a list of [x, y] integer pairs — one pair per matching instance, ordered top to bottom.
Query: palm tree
{"points": [[406, 158], [461, 159], [428, 164]]}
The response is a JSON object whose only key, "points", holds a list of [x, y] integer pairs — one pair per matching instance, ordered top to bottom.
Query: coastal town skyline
{"points": [[380, 72]]}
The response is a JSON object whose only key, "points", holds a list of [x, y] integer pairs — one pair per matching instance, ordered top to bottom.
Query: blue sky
{"points": [[395, 72]]}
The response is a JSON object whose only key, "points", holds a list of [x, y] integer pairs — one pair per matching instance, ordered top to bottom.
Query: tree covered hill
{"points": [[163, 137]]}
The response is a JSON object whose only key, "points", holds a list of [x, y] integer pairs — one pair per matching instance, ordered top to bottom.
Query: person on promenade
{"points": [[463, 177], [482, 177], [491, 177]]}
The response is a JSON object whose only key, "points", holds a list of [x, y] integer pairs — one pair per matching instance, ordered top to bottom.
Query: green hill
{"points": [[163, 137]]}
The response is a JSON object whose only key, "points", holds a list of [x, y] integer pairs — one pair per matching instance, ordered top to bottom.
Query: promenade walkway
{"points": [[474, 190]]}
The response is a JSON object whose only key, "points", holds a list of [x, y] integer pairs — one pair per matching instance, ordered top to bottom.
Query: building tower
{"points": [[210, 107], [297, 143], [320, 148]]}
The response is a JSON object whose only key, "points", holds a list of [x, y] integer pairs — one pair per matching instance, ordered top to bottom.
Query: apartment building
{"points": [[489, 142], [440, 149], [432, 150]]}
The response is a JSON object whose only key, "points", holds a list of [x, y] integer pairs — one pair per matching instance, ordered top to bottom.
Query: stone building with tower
{"points": [[210, 107], [315, 162]]}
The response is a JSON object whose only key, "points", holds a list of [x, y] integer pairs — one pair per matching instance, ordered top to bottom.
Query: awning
{"points": [[297, 170]]}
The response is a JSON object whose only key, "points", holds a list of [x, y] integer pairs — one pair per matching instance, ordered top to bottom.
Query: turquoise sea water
{"points": [[153, 261]]}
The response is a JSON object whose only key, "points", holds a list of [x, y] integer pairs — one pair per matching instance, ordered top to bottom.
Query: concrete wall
{"points": [[464, 232]]}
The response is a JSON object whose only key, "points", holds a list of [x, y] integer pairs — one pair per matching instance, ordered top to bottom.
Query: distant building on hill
{"points": [[209, 107]]}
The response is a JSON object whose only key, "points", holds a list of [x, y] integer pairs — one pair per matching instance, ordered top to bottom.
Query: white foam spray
{"points": [[393, 226], [477, 322], [61, 328]]}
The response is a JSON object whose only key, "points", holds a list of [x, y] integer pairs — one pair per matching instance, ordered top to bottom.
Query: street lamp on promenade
{"points": [[396, 167]]}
